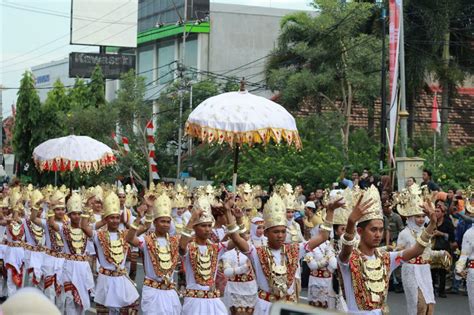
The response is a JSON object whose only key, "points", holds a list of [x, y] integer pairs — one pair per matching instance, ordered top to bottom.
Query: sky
{"points": [[37, 31]]}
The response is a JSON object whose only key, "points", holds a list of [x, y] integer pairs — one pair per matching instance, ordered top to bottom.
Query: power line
{"points": [[133, 12]]}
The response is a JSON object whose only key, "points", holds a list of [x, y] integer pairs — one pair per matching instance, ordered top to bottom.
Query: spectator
{"points": [[427, 180], [364, 181], [410, 181], [350, 183], [319, 194], [449, 200], [443, 240]]}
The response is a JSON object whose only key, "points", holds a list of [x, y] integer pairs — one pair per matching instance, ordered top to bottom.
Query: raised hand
{"points": [[337, 203], [360, 209], [428, 209], [141, 210]]}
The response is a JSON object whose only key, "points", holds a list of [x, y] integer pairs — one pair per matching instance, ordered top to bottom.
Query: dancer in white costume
{"points": [[15, 236], [161, 255], [200, 258], [53, 259], [276, 264], [465, 264], [416, 273], [77, 279], [115, 292], [240, 293]]}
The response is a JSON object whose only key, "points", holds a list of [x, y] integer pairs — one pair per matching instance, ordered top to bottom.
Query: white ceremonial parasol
{"points": [[238, 118], [73, 152]]}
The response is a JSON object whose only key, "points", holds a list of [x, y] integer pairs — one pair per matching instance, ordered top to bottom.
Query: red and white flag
{"points": [[435, 117], [126, 147], [151, 150]]}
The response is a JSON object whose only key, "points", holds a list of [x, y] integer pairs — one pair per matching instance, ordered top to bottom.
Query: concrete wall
{"points": [[241, 34]]}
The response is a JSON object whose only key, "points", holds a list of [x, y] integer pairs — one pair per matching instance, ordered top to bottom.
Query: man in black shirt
{"points": [[427, 175]]}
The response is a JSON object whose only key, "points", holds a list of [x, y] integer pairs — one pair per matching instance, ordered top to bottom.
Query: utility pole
{"points": [[181, 91], [445, 92], [403, 114], [383, 120]]}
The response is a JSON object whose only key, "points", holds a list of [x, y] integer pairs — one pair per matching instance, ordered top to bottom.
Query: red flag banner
{"points": [[396, 10], [435, 117]]}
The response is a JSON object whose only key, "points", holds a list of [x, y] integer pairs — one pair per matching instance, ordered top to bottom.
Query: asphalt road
{"points": [[453, 304]]}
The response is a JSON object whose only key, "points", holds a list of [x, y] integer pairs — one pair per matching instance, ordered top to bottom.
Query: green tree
{"points": [[438, 41], [327, 60], [97, 88], [79, 95], [50, 123], [25, 137]]}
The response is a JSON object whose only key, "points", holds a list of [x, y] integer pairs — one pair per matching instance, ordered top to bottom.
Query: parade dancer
{"points": [[257, 228], [35, 240], [14, 254], [161, 256], [467, 257], [200, 258], [53, 259], [276, 264], [364, 269], [416, 273], [77, 279], [115, 293], [240, 293]]}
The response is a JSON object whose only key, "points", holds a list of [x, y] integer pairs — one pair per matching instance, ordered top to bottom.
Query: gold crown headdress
{"points": [[64, 190], [98, 193], [469, 193], [36, 196], [15, 199], [131, 199], [58, 200], [180, 201], [409, 201], [290, 202], [74, 204], [204, 204], [111, 205], [162, 206], [375, 211], [274, 212], [341, 215]]}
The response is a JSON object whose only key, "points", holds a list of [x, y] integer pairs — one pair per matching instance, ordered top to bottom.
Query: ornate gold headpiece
{"points": [[36, 196], [15, 199], [58, 200], [180, 201], [409, 201], [74, 204], [204, 204], [111, 205], [162, 206], [375, 211], [274, 212], [341, 215]]}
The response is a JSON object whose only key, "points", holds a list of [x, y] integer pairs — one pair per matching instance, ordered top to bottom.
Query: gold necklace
{"points": [[37, 232], [78, 240], [164, 254], [278, 273], [375, 274]]}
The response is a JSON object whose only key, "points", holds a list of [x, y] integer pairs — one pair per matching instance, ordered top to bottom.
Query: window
{"points": [[191, 54], [166, 55], [145, 63]]}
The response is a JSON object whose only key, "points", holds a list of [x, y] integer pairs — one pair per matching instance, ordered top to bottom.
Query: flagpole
{"points": [[434, 149]]}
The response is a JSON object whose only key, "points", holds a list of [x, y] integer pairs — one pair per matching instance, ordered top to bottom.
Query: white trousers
{"points": [[11, 286], [71, 307]]}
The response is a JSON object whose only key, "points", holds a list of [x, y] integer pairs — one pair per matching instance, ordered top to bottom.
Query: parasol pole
{"points": [[236, 149], [236, 164], [55, 178]]}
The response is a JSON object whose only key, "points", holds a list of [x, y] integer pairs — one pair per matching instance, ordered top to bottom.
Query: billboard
{"points": [[104, 22], [113, 65]]}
